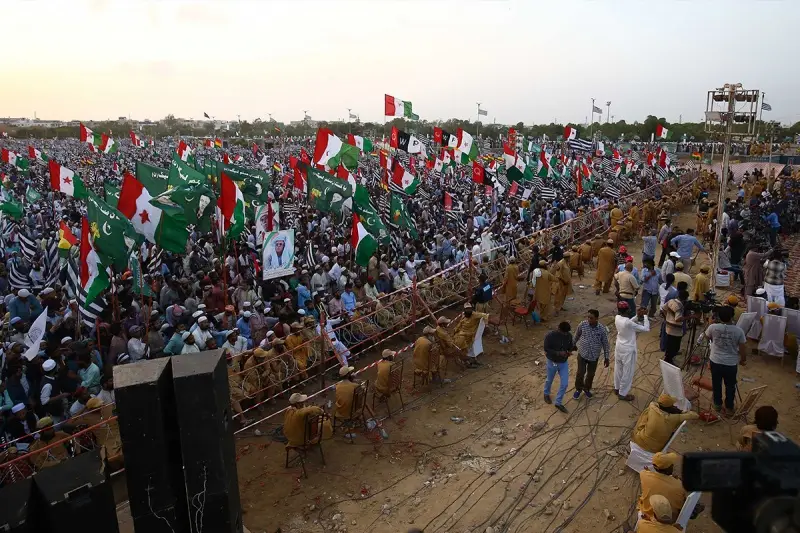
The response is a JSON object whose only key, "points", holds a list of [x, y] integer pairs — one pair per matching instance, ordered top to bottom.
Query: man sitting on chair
{"points": [[384, 369], [294, 420], [658, 422], [660, 481], [662, 521]]}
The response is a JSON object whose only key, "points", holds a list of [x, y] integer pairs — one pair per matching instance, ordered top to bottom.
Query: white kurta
{"points": [[625, 351]]}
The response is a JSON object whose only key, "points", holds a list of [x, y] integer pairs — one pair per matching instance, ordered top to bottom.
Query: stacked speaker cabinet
{"points": [[148, 424], [206, 436], [74, 495], [16, 513]]}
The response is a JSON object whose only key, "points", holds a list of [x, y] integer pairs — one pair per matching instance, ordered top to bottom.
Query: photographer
{"points": [[674, 318], [727, 352]]}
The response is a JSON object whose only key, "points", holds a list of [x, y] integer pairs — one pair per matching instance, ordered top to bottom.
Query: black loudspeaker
{"points": [[151, 446], [209, 452], [75, 495], [16, 513]]}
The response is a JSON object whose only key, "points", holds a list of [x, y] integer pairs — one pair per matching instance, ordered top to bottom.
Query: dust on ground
{"points": [[513, 464]]}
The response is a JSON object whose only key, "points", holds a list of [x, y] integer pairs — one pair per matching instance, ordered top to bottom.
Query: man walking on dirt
{"points": [[557, 347], [625, 350]]}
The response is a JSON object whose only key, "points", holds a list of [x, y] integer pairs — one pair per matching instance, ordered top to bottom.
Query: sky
{"points": [[524, 60]]}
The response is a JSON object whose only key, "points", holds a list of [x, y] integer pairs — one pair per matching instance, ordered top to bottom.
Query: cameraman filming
{"points": [[727, 352]]}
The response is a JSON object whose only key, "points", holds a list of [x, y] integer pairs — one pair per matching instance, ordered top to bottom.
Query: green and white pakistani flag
{"points": [[362, 143], [466, 149], [330, 151], [543, 169], [181, 173], [326, 192], [112, 193], [32, 195], [197, 202], [12, 209], [371, 220], [114, 235], [363, 242], [94, 276]]}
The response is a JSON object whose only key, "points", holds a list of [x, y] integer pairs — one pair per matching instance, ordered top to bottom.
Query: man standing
{"points": [[663, 238], [685, 245], [606, 266], [753, 271], [774, 275], [650, 278], [542, 281], [626, 286], [673, 321], [590, 338], [557, 347], [625, 349], [727, 352]]}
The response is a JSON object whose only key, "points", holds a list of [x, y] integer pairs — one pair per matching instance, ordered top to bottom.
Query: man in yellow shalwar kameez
{"points": [[465, 332], [296, 344], [294, 421]]}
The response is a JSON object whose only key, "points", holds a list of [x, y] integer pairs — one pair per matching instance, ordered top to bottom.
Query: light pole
{"points": [[721, 110], [608, 112], [270, 116], [591, 121]]}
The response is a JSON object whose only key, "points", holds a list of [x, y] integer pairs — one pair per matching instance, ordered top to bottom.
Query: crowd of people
{"points": [[212, 296]]}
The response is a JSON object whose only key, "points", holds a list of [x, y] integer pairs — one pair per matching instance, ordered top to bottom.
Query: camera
{"points": [[708, 304], [751, 491]]}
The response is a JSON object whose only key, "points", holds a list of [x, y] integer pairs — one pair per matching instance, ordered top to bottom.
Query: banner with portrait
{"points": [[278, 254]]}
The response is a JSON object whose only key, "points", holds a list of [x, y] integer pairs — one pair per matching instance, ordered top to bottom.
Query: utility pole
{"points": [[608, 113]]}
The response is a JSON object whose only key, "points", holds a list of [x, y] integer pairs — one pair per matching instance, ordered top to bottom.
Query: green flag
{"points": [[23, 164], [180, 173], [239, 173], [154, 179], [326, 192], [112, 193], [32, 195], [196, 201], [12, 209], [369, 215], [399, 216], [114, 235], [138, 286]]}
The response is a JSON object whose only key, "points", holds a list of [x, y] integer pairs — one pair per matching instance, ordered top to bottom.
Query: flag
{"points": [[766, 107], [396, 108], [597, 110], [482, 112], [205, 114], [662, 132], [570, 133], [444, 138], [136, 140], [99, 141], [406, 142], [362, 143], [582, 145], [466, 149], [183, 151], [330, 151], [37, 155], [9, 156], [697, 156], [516, 169], [543, 169], [181, 173], [478, 173], [156, 179], [403, 179], [66, 181], [579, 182], [325, 192], [32, 195], [195, 199], [231, 206], [12, 209], [368, 214], [399, 216], [165, 226], [113, 234], [66, 239], [363, 242], [94, 275], [138, 285], [89, 311], [33, 338]]}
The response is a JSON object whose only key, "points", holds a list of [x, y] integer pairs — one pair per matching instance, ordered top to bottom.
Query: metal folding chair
{"points": [[395, 386], [356, 409], [312, 438]]}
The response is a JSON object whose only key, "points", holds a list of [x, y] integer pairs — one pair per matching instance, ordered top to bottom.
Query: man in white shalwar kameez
{"points": [[625, 350]]}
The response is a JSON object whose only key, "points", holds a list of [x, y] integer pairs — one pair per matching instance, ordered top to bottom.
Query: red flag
{"points": [[437, 135], [393, 140], [255, 149], [304, 157], [384, 157], [226, 159], [478, 173], [285, 180], [514, 188], [488, 190], [448, 201], [270, 216], [67, 234]]}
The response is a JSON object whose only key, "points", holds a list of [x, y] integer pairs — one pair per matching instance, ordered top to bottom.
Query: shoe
{"points": [[597, 293], [616, 391], [588, 394], [576, 395], [627, 398], [547, 399], [562, 408]]}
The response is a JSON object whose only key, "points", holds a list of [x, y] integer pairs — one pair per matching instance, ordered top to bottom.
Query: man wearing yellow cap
{"points": [[733, 302], [465, 332], [428, 358], [294, 420], [658, 422], [47, 436], [660, 481], [662, 521]]}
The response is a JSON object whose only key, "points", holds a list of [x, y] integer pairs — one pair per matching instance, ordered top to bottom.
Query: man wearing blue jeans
{"points": [[557, 347]]}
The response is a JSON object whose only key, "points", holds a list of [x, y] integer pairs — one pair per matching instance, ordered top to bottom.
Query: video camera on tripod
{"points": [[707, 305], [751, 491]]}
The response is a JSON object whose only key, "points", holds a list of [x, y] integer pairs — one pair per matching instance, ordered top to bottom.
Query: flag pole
{"points": [[591, 121]]}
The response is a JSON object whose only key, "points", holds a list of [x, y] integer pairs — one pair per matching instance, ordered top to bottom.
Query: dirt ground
{"points": [[513, 464]]}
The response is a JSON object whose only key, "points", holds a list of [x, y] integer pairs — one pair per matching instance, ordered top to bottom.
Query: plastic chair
{"points": [[395, 386], [312, 438], [639, 458], [688, 509]]}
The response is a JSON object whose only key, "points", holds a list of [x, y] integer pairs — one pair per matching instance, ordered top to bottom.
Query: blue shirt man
{"points": [[772, 218], [685, 244], [303, 294], [349, 300], [25, 306], [243, 325]]}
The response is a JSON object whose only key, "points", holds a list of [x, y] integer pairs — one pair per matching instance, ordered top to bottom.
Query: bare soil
{"points": [[513, 464]]}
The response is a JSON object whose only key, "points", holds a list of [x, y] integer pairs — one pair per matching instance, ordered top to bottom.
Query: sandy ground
{"points": [[513, 464]]}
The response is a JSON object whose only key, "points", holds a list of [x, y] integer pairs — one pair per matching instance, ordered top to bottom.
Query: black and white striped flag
{"points": [[580, 144], [612, 191], [547, 193], [27, 246], [311, 261], [154, 262], [16, 279], [89, 313]]}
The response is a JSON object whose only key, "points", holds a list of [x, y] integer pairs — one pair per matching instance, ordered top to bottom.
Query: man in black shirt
{"points": [[558, 345]]}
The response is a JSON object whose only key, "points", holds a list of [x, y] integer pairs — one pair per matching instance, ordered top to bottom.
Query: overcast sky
{"points": [[525, 60]]}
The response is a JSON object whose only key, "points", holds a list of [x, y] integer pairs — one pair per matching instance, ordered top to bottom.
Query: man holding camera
{"points": [[727, 352]]}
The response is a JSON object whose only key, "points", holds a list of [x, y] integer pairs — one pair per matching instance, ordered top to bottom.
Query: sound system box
{"points": [[205, 421], [148, 426], [74, 495], [16, 514]]}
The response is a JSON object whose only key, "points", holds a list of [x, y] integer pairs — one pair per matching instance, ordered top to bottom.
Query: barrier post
{"points": [[469, 275], [323, 362]]}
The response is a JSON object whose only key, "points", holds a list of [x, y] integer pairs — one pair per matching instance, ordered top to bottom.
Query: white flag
{"points": [[33, 338]]}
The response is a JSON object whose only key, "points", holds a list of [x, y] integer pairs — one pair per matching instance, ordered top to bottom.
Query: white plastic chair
{"points": [[758, 306], [746, 320], [792, 320], [772, 336], [477, 344], [639, 458], [684, 515]]}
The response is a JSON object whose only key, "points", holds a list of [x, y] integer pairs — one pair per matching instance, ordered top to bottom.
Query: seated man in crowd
{"points": [[766, 419], [294, 421], [658, 422]]}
